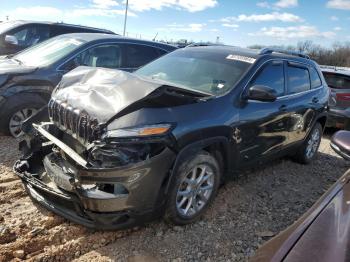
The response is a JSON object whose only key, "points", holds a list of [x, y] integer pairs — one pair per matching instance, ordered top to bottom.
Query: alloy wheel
{"points": [[18, 118], [313, 143], [195, 190]]}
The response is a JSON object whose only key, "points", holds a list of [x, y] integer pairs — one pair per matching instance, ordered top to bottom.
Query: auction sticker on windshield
{"points": [[241, 58]]}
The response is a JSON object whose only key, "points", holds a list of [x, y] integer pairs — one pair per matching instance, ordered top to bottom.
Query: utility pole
{"points": [[126, 15], [154, 39]]}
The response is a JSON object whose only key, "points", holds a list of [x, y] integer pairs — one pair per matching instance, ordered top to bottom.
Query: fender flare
{"points": [[324, 114], [315, 120]]}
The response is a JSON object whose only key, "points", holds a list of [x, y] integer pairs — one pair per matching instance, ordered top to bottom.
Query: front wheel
{"points": [[17, 109], [309, 148], [193, 188]]}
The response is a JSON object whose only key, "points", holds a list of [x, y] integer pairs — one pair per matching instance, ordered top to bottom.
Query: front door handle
{"points": [[315, 100], [283, 108]]}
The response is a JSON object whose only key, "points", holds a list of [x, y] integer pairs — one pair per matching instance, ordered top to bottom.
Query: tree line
{"points": [[336, 55]]}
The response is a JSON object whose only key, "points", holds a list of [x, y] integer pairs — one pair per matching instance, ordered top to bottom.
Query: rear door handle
{"points": [[315, 100], [283, 108]]}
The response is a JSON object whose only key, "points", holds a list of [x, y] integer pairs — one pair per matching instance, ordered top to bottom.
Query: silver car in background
{"points": [[338, 80]]}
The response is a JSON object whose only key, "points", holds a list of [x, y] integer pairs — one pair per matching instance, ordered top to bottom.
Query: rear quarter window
{"points": [[139, 55], [315, 78], [298, 79]]}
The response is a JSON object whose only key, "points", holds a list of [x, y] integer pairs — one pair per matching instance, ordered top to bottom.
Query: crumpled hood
{"points": [[9, 66], [102, 93]]}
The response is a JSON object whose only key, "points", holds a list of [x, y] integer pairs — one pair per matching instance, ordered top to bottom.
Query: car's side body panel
{"points": [[321, 234]]}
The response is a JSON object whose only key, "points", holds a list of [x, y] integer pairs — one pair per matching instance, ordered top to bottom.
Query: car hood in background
{"points": [[9, 66], [106, 94]]}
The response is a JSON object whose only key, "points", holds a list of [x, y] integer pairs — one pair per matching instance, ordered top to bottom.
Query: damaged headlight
{"points": [[148, 130], [116, 151], [112, 155], [116, 155]]}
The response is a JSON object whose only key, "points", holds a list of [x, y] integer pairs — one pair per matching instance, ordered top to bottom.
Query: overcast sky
{"points": [[235, 22]]}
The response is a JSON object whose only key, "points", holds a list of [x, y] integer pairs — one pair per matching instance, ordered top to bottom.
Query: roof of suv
{"points": [[23, 22], [101, 36], [256, 53], [336, 70]]}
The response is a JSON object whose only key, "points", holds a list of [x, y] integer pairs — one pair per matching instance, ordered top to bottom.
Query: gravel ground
{"points": [[247, 211]]}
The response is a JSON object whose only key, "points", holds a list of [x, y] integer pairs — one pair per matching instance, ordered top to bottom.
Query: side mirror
{"points": [[11, 39], [262, 93], [340, 142]]}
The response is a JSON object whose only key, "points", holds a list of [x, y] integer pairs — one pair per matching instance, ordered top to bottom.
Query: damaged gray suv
{"points": [[114, 149]]}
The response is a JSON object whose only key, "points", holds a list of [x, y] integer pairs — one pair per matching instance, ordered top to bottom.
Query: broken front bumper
{"points": [[129, 195]]}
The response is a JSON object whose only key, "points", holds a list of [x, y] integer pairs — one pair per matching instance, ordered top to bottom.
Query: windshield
{"points": [[5, 26], [49, 51], [206, 71]]}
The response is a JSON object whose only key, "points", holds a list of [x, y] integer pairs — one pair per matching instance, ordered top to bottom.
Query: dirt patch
{"points": [[247, 212]]}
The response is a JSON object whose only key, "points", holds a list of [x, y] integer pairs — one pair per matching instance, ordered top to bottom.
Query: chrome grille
{"points": [[73, 121]]}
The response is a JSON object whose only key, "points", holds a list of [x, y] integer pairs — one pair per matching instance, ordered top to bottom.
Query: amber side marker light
{"points": [[147, 130], [153, 131]]}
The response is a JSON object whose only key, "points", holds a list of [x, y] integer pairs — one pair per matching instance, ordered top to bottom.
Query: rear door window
{"points": [[139, 55], [271, 75], [298, 79], [337, 81]]}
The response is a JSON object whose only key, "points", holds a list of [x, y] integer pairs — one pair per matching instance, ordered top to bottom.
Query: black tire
{"points": [[16, 103], [301, 156], [172, 214]]}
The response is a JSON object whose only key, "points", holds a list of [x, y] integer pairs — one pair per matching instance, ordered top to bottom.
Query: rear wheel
{"points": [[16, 110], [309, 148], [193, 189]]}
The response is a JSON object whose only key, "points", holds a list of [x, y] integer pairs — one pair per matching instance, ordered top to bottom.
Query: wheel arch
{"points": [[43, 90], [322, 120], [218, 146]]}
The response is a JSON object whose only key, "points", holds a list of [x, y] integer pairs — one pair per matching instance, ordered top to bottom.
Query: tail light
{"points": [[343, 97]]}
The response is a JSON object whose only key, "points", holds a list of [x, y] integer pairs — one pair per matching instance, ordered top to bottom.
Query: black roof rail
{"points": [[83, 26], [203, 44], [270, 50], [335, 68]]}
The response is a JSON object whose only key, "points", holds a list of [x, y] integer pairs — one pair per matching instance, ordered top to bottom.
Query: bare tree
{"points": [[337, 55]]}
